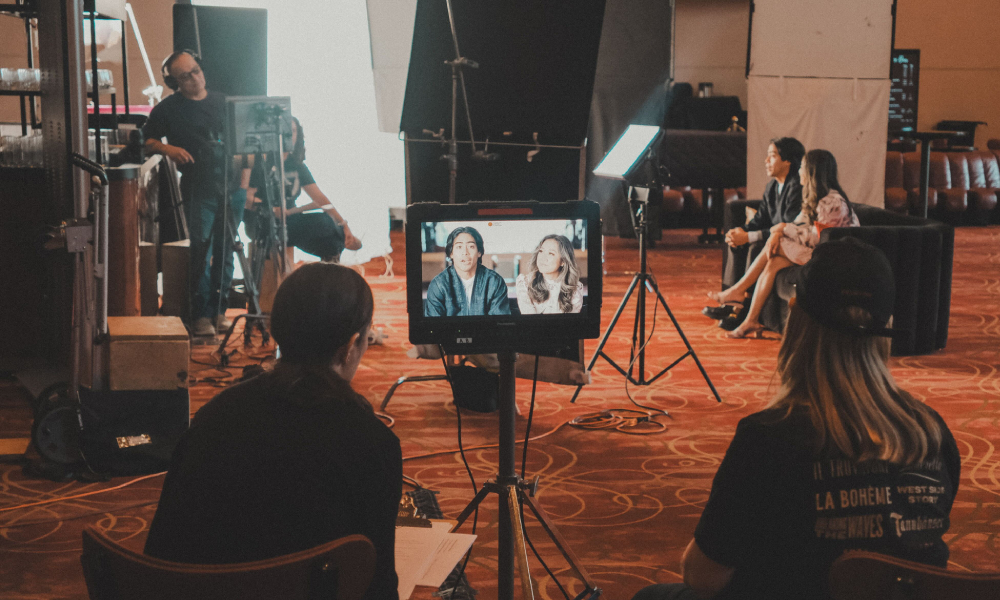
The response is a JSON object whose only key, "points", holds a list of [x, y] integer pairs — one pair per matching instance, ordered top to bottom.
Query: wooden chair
{"points": [[341, 570], [859, 575]]}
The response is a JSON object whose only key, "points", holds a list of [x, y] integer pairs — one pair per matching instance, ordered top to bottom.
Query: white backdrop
{"points": [[821, 38], [319, 54], [819, 72], [848, 117]]}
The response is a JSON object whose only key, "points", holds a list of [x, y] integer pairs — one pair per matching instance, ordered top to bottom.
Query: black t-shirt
{"points": [[192, 125], [297, 176], [281, 463], [779, 514]]}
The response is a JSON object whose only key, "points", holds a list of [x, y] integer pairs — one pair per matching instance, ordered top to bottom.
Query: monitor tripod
{"points": [[643, 281], [513, 494]]}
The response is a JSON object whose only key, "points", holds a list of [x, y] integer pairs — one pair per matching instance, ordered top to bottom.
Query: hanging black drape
{"points": [[633, 69]]}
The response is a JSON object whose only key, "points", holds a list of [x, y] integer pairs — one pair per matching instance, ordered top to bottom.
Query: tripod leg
{"points": [[607, 333], [691, 351], [472, 506], [558, 540], [520, 551]]}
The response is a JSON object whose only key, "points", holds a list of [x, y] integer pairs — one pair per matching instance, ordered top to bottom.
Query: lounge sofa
{"points": [[963, 185], [920, 252]]}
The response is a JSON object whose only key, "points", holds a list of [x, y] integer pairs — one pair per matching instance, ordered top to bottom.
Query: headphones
{"points": [[169, 80]]}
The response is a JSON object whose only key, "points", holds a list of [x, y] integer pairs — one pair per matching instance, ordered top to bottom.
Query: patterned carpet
{"points": [[627, 504]]}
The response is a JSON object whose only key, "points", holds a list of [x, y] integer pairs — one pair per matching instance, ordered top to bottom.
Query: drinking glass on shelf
{"points": [[104, 78], [8, 79], [24, 79], [35, 84], [7, 151], [13, 155], [36, 155]]}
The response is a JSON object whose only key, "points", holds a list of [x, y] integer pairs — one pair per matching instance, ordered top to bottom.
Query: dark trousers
{"points": [[315, 233], [737, 260], [208, 284], [666, 591]]}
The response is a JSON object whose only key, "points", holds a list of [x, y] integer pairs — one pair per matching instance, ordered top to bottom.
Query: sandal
{"points": [[721, 312], [756, 330]]}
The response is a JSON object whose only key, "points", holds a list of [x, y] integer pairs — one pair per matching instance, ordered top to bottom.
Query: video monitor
{"points": [[251, 123], [489, 276]]}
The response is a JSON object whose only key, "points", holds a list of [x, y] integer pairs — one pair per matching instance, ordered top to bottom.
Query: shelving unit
{"points": [[25, 10], [106, 10], [36, 282]]}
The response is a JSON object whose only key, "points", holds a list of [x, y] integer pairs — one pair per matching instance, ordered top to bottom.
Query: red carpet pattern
{"points": [[627, 504]]}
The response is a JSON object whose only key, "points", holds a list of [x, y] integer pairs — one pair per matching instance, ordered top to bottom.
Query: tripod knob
{"points": [[531, 488]]}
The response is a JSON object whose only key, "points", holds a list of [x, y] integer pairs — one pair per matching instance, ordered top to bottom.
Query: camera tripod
{"points": [[274, 238], [643, 281], [513, 494]]}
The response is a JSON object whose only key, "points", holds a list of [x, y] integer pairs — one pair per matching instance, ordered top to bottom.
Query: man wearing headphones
{"points": [[191, 120]]}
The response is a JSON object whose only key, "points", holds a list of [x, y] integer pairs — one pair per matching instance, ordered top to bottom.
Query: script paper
{"points": [[453, 547], [426, 555]]}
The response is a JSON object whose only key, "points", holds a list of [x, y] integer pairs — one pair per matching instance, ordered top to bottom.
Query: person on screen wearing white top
{"points": [[551, 283], [466, 287]]}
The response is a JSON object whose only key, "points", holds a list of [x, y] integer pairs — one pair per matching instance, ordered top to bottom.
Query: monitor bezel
{"points": [[483, 332]]}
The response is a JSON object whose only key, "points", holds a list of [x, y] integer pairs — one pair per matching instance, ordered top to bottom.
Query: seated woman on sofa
{"points": [[824, 204], [838, 461]]}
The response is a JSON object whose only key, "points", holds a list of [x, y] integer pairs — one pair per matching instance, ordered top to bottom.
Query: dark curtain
{"points": [[633, 70]]}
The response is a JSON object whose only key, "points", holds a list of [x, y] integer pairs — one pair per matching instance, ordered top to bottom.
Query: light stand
{"points": [[457, 81], [623, 165], [513, 494]]}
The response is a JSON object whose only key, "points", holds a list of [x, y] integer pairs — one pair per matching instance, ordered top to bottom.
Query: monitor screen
{"points": [[503, 271]]}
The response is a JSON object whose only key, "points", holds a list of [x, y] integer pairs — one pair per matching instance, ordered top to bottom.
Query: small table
{"points": [[925, 138]]}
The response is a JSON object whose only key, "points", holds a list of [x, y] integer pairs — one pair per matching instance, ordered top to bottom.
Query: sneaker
{"points": [[222, 323], [203, 326]]}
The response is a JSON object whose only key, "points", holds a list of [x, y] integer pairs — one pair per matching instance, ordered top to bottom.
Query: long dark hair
{"points": [[298, 154], [821, 178], [569, 275], [316, 311]]}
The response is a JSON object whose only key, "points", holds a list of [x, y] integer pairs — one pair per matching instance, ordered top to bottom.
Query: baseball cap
{"points": [[848, 273]]}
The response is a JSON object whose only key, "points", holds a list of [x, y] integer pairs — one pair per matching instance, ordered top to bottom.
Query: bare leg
{"points": [[764, 285], [740, 289]]}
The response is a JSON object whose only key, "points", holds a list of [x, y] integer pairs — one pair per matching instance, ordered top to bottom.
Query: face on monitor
{"points": [[523, 267], [473, 268]]}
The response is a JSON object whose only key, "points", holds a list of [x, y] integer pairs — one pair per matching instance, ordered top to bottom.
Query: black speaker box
{"points": [[133, 432]]}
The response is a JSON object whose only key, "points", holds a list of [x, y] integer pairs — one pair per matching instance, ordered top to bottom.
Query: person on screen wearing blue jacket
{"points": [[466, 287]]}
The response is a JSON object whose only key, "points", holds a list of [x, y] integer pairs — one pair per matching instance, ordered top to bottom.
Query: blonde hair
{"points": [[844, 383]]}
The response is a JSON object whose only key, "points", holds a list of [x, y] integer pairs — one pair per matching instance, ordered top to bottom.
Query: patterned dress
{"points": [[800, 237]]}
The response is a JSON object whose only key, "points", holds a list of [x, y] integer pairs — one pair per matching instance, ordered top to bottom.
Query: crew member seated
{"points": [[466, 287], [292, 458], [842, 458]]}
